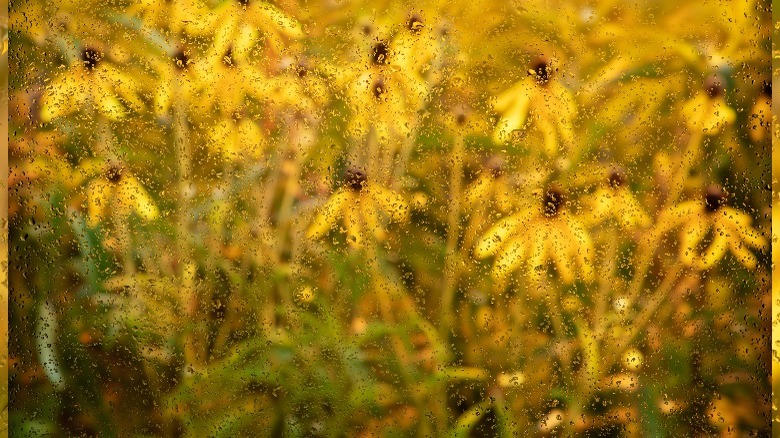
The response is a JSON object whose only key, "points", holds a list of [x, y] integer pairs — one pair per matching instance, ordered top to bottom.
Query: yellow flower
{"points": [[171, 15], [240, 24], [175, 79], [91, 81], [226, 82], [300, 87], [541, 101], [708, 111], [760, 118], [237, 139], [490, 185], [121, 192], [616, 202], [359, 203], [730, 230], [538, 236]]}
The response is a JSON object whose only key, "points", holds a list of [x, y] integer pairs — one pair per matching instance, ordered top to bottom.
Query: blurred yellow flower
{"points": [[170, 15], [240, 24], [174, 79], [91, 81], [227, 82], [540, 101], [708, 111], [760, 119], [236, 138], [490, 185], [117, 190], [615, 202], [359, 203], [730, 229], [538, 236]]}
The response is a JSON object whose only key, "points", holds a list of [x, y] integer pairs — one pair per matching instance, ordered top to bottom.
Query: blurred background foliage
{"points": [[333, 218]]}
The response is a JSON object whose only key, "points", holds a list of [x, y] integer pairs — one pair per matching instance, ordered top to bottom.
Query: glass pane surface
{"points": [[386, 219]]}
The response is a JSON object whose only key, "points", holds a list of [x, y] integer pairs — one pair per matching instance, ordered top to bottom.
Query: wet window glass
{"points": [[328, 218]]}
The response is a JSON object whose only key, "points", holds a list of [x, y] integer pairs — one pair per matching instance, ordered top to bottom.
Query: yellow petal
{"points": [[250, 138], [131, 191], [98, 196], [391, 203], [327, 216], [352, 222], [691, 234], [496, 235], [584, 249], [714, 252], [537, 253], [562, 253], [743, 254], [509, 258]]}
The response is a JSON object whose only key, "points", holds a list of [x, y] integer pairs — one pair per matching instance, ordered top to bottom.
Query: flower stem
{"points": [[451, 255]]}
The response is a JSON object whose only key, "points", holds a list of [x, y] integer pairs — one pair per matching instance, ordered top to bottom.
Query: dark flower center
{"points": [[243, 3], [415, 23], [380, 53], [91, 58], [227, 58], [181, 60], [542, 71], [713, 85], [379, 88], [766, 89], [495, 165], [114, 173], [616, 178], [355, 179], [714, 198], [553, 201]]}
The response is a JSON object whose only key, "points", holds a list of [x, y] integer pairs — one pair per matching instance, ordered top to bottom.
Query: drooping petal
{"points": [[329, 214], [496, 236]]}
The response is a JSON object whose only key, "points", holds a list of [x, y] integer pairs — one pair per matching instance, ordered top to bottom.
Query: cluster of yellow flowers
{"points": [[527, 147]]}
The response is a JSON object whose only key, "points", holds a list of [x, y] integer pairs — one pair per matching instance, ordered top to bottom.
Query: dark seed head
{"points": [[415, 23], [380, 53], [91, 58], [227, 58], [181, 60], [542, 70], [713, 85], [379, 88], [766, 89], [495, 165], [114, 173], [616, 178], [355, 179], [714, 198], [553, 202]]}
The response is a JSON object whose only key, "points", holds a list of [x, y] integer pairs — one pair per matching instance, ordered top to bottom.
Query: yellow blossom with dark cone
{"points": [[241, 24], [91, 80], [175, 81], [227, 82], [539, 102], [708, 111], [760, 118], [235, 139], [490, 185], [119, 191], [616, 202], [360, 204], [730, 230], [537, 236]]}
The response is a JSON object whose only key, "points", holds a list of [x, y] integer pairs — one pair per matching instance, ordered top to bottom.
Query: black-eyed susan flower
{"points": [[170, 15], [240, 24], [175, 80], [91, 81], [226, 82], [539, 102], [708, 111], [760, 117], [236, 138], [490, 185], [118, 191], [617, 202], [360, 204], [728, 228], [536, 236]]}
